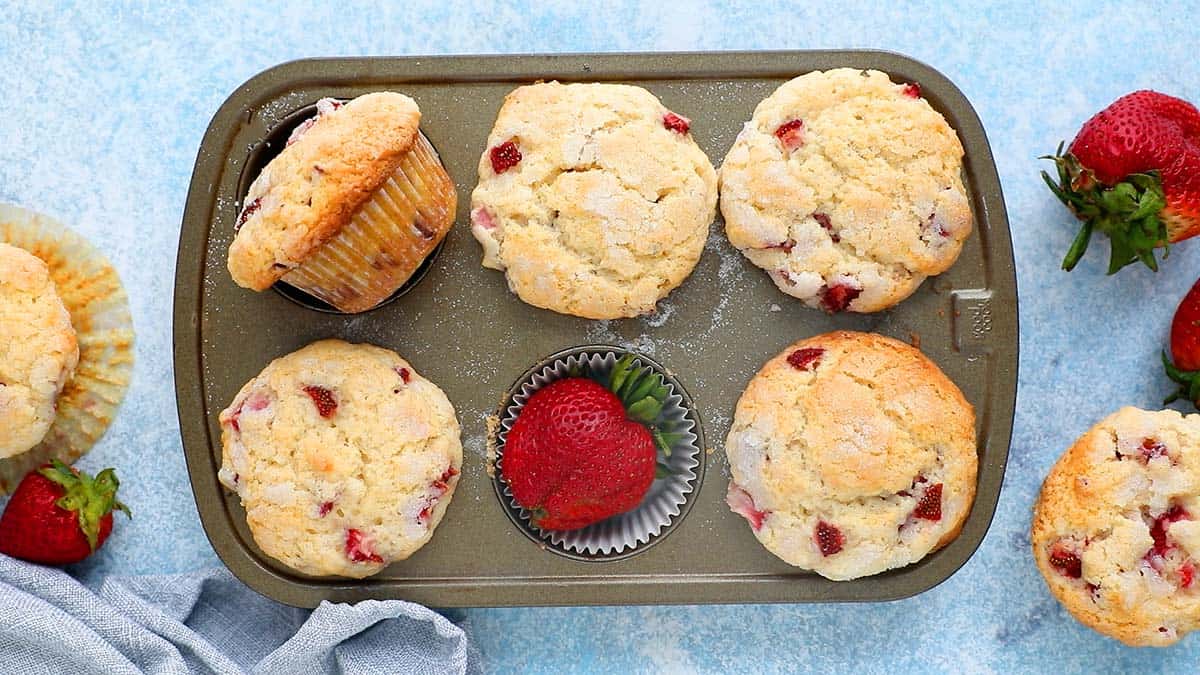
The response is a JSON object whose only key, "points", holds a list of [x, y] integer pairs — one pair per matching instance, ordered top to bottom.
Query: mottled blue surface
{"points": [[104, 110]]}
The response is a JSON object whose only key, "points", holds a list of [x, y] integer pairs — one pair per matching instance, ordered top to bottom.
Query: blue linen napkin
{"points": [[209, 622]]}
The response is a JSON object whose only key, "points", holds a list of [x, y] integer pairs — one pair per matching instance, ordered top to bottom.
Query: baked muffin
{"points": [[846, 188], [593, 198], [349, 209], [65, 323], [38, 350], [851, 454], [344, 458], [1115, 532]]}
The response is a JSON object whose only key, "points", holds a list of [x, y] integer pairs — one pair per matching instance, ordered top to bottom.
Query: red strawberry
{"points": [[677, 123], [791, 134], [505, 156], [1133, 172], [836, 297], [1185, 348], [807, 358], [322, 398], [580, 452], [741, 503], [929, 507], [58, 516], [830, 540], [360, 547], [1066, 561]]}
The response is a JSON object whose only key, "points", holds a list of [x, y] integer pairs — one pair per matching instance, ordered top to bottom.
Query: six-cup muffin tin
{"points": [[461, 328]]}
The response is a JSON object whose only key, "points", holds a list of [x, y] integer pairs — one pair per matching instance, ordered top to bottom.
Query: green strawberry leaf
{"points": [[645, 410]]}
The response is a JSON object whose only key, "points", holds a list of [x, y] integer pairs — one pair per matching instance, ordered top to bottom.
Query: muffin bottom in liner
{"points": [[387, 239], [92, 292], [664, 503]]}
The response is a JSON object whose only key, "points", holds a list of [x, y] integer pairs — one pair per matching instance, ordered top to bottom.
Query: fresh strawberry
{"points": [[1133, 172], [1185, 348], [323, 399], [580, 452], [929, 506], [59, 516], [1066, 561]]}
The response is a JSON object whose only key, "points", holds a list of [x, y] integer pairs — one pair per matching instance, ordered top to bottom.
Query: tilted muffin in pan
{"points": [[349, 209]]}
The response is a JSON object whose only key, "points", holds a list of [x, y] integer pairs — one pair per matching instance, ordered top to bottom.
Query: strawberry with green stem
{"points": [[1133, 173], [585, 448], [58, 515]]}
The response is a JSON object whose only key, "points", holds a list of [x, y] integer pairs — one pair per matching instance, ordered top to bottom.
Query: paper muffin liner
{"points": [[387, 239], [92, 292], [664, 502]]}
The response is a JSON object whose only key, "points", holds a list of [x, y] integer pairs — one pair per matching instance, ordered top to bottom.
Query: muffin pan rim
{"points": [[987, 330]]}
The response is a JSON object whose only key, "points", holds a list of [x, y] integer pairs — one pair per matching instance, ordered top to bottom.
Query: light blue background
{"points": [[103, 109]]}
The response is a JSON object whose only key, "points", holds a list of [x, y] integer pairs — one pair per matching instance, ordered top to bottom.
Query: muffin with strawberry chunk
{"points": [[845, 187], [593, 198], [349, 209], [851, 454], [344, 458], [1116, 529]]}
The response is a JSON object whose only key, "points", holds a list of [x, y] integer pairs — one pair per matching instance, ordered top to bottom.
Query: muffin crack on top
{"points": [[844, 181], [591, 199]]}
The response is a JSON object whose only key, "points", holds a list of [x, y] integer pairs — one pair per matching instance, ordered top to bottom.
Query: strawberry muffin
{"points": [[845, 187], [593, 198], [350, 208], [38, 350], [851, 454], [344, 457], [1115, 530]]}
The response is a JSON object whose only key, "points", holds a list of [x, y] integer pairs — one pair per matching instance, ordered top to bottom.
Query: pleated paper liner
{"points": [[387, 240], [93, 295], [667, 499]]}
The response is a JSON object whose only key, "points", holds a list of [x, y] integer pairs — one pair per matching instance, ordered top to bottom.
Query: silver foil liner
{"points": [[665, 499]]}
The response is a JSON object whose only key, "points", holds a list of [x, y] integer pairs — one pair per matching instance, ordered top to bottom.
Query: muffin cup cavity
{"points": [[369, 263], [669, 498]]}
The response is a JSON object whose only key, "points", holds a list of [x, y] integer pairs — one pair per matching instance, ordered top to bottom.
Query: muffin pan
{"points": [[462, 328]]}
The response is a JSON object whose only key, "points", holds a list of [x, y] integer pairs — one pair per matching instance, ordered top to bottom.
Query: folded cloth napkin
{"points": [[209, 622]]}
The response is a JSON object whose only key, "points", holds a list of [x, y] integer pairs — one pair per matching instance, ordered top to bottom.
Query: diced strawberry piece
{"points": [[912, 90], [677, 123], [791, 134], [505, 156], [247, 211], [483, 218], [823, 220], [785, 246], [836, 297], [807, 358], [404, 374], [323, 399], [1152, 449], [741, 503], [930, 505], [325, 508], [1158, 531], [829, 538], [360, 547], [1067, 562], [1187, 574]]}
